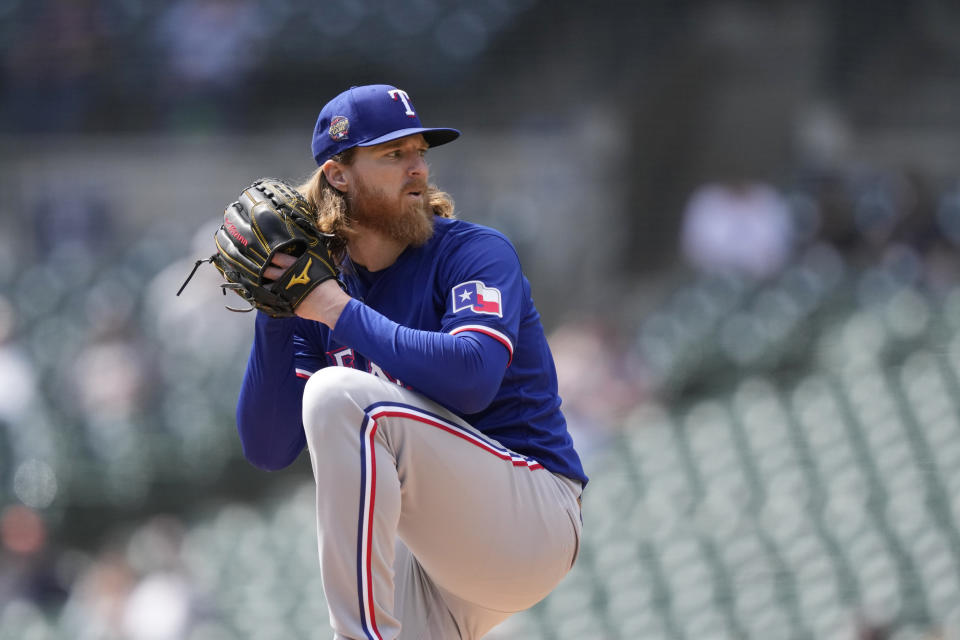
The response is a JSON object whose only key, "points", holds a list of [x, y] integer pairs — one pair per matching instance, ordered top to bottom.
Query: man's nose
{"points": [[418, 167]]}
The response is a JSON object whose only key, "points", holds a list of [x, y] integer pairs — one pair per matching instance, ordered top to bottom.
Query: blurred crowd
{"points": [[200, 65], [895, 227]]}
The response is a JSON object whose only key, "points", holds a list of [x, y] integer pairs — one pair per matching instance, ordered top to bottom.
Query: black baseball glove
{"points": [[270, 217]]}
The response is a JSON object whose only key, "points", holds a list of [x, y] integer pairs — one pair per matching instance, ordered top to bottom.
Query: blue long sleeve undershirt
{"points": [[462, 372], [269, 406]]}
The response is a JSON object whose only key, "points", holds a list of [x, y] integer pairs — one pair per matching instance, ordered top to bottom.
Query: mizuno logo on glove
{"points": [[303, 278]]}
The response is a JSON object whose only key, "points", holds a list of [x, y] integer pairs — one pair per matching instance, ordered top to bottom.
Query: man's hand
{"points": [[280, 263], [323, 304]]}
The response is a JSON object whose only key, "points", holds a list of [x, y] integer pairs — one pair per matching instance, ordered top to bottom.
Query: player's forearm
{"points": [[463, 372], [268, 408]]}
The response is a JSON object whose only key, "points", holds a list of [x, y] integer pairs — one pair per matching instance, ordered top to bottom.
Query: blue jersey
{"points": [[453, 320]]}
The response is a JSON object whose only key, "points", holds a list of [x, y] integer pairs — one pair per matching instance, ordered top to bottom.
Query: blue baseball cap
{"points": [[369, 115]]}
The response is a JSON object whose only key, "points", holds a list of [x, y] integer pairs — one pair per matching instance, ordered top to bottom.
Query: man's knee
{"points": [[334, 380], [334, 395]]}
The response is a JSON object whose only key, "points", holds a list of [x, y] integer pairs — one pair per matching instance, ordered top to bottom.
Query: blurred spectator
{"points": [[209, 47], [51, 66], [823, 138], [829, 193], [881, 203], [918, 204], [948, 215], [71, 217], [901, 221], [738, 227], [941, 256], [174, 319], [18, 379], [110, 379], [599, 380], [26, 562], [136, 589], [97, 602], [161, 605], [158, 608], [869, 630]]}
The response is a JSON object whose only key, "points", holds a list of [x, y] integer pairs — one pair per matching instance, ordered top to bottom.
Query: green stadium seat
{"points": [[626, 593], [22, 620], [831, 622], [643, 623], [766, 623], [705, 624], [521, 625], [580, 625], [211, 630]]}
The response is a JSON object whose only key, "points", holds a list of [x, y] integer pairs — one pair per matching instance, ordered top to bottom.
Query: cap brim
{"points": [[434, 137]]}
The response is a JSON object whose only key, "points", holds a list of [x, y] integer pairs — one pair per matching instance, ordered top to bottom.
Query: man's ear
{"points": [[336, 175]]}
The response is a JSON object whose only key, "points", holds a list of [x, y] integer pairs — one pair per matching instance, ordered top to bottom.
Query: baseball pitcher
{"points": [[402, 347]]}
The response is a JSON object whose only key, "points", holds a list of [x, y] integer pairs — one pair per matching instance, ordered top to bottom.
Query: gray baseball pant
{"points": [[427, 529]]}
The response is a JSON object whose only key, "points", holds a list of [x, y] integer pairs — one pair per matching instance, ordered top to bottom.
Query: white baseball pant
{"points": [[427, 529]]}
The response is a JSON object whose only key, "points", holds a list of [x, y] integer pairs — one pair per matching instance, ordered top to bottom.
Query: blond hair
{"points": [[332, 210]]}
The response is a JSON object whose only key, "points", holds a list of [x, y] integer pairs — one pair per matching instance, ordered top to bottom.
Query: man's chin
{"points": [[409, 221], [413, 227], [420, 229]]}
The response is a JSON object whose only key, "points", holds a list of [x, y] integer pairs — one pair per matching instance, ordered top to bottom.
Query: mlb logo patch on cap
{"points": [[339, 127]]}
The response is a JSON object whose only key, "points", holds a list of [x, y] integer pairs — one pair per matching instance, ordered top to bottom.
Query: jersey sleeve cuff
{"points": [[490, 332]]}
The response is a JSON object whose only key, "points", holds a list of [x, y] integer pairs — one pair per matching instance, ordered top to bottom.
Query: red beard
{"points": [[402, 218]]}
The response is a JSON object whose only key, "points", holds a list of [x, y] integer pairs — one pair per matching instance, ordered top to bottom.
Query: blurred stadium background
{"points": [[741, 220]]}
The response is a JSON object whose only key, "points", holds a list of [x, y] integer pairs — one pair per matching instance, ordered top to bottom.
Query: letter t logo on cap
{"points": [[405, 99]]}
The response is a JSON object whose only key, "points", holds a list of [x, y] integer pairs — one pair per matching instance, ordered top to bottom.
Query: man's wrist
{"points": [[324, 304]]}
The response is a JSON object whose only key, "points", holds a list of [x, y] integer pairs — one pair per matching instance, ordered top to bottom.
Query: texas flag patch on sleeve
{"points": [[477, 297]]}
